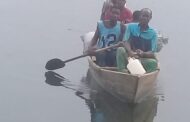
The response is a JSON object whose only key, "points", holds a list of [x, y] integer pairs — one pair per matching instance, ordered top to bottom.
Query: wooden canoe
{"points": [[124, 86]]}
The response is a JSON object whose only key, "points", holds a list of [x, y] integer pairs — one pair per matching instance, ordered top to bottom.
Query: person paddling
{"points": [[108, 32]]}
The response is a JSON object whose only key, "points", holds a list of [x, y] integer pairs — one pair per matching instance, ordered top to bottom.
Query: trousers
{"points": [[149, 64]]}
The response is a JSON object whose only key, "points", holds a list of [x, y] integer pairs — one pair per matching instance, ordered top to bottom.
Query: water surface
{"points": [[34, 31]]}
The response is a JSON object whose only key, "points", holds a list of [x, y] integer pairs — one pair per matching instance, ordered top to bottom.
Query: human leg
{"points": [[121, 56], [100, 58], [111, 58], [149, 64]]}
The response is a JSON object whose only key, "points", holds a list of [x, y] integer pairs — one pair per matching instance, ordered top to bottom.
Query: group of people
{"points": [[129, 32]]}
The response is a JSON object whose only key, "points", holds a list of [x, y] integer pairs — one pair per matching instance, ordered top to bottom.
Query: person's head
{"points": [[114, 1], [121, 3], [114, 13], [136, 15], [145, 16]]}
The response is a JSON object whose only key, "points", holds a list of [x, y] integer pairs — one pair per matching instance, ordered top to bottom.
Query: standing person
{"points": [[125, 13], [108, 32], [140, 42]]}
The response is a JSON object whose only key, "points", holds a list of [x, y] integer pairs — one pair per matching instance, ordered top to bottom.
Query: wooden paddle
{"points": [[56, 63]]}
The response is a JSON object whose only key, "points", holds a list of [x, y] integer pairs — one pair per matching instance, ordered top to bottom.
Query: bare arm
{"points": [[122, 32], [94, 39], [126, 42], [92, 47], [130, 52], [148, 54]]}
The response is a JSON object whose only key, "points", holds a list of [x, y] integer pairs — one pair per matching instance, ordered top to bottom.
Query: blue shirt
{"points": [[108, 36], [144, 40]]}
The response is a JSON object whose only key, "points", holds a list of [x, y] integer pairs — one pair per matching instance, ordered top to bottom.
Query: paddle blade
{"points": [[54, 64]]}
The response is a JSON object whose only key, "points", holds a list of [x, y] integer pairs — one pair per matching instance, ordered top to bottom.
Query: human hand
{"points": [[119, 44], [91, 50], [139, 52], [133, 54]]}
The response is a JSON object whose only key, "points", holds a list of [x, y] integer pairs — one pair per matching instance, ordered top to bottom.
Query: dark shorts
{"points": [[106, 58]]}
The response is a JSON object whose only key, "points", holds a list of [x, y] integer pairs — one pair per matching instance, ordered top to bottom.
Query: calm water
{"points": [[34, 31]]}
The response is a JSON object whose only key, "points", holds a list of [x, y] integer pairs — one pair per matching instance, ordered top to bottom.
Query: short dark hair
{"points": [[148, 10], [136, 15]]}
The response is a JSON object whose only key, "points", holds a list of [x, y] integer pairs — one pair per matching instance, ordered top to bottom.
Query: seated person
{"points": [[108, 32], [140, 42]]}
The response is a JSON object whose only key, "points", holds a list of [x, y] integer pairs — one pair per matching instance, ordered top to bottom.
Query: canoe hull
{"points": [[124, 86]]}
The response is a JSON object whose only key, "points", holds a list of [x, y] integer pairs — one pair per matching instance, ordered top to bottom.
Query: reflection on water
{"points": [[104, 107]]}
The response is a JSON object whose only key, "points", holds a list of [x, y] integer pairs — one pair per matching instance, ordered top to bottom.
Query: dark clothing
{"points": [[140, 43], [106, 58]]}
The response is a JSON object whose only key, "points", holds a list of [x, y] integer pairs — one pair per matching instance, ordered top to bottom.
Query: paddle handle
{"points": [[106, 48], [84, 55], [81, 56]]}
